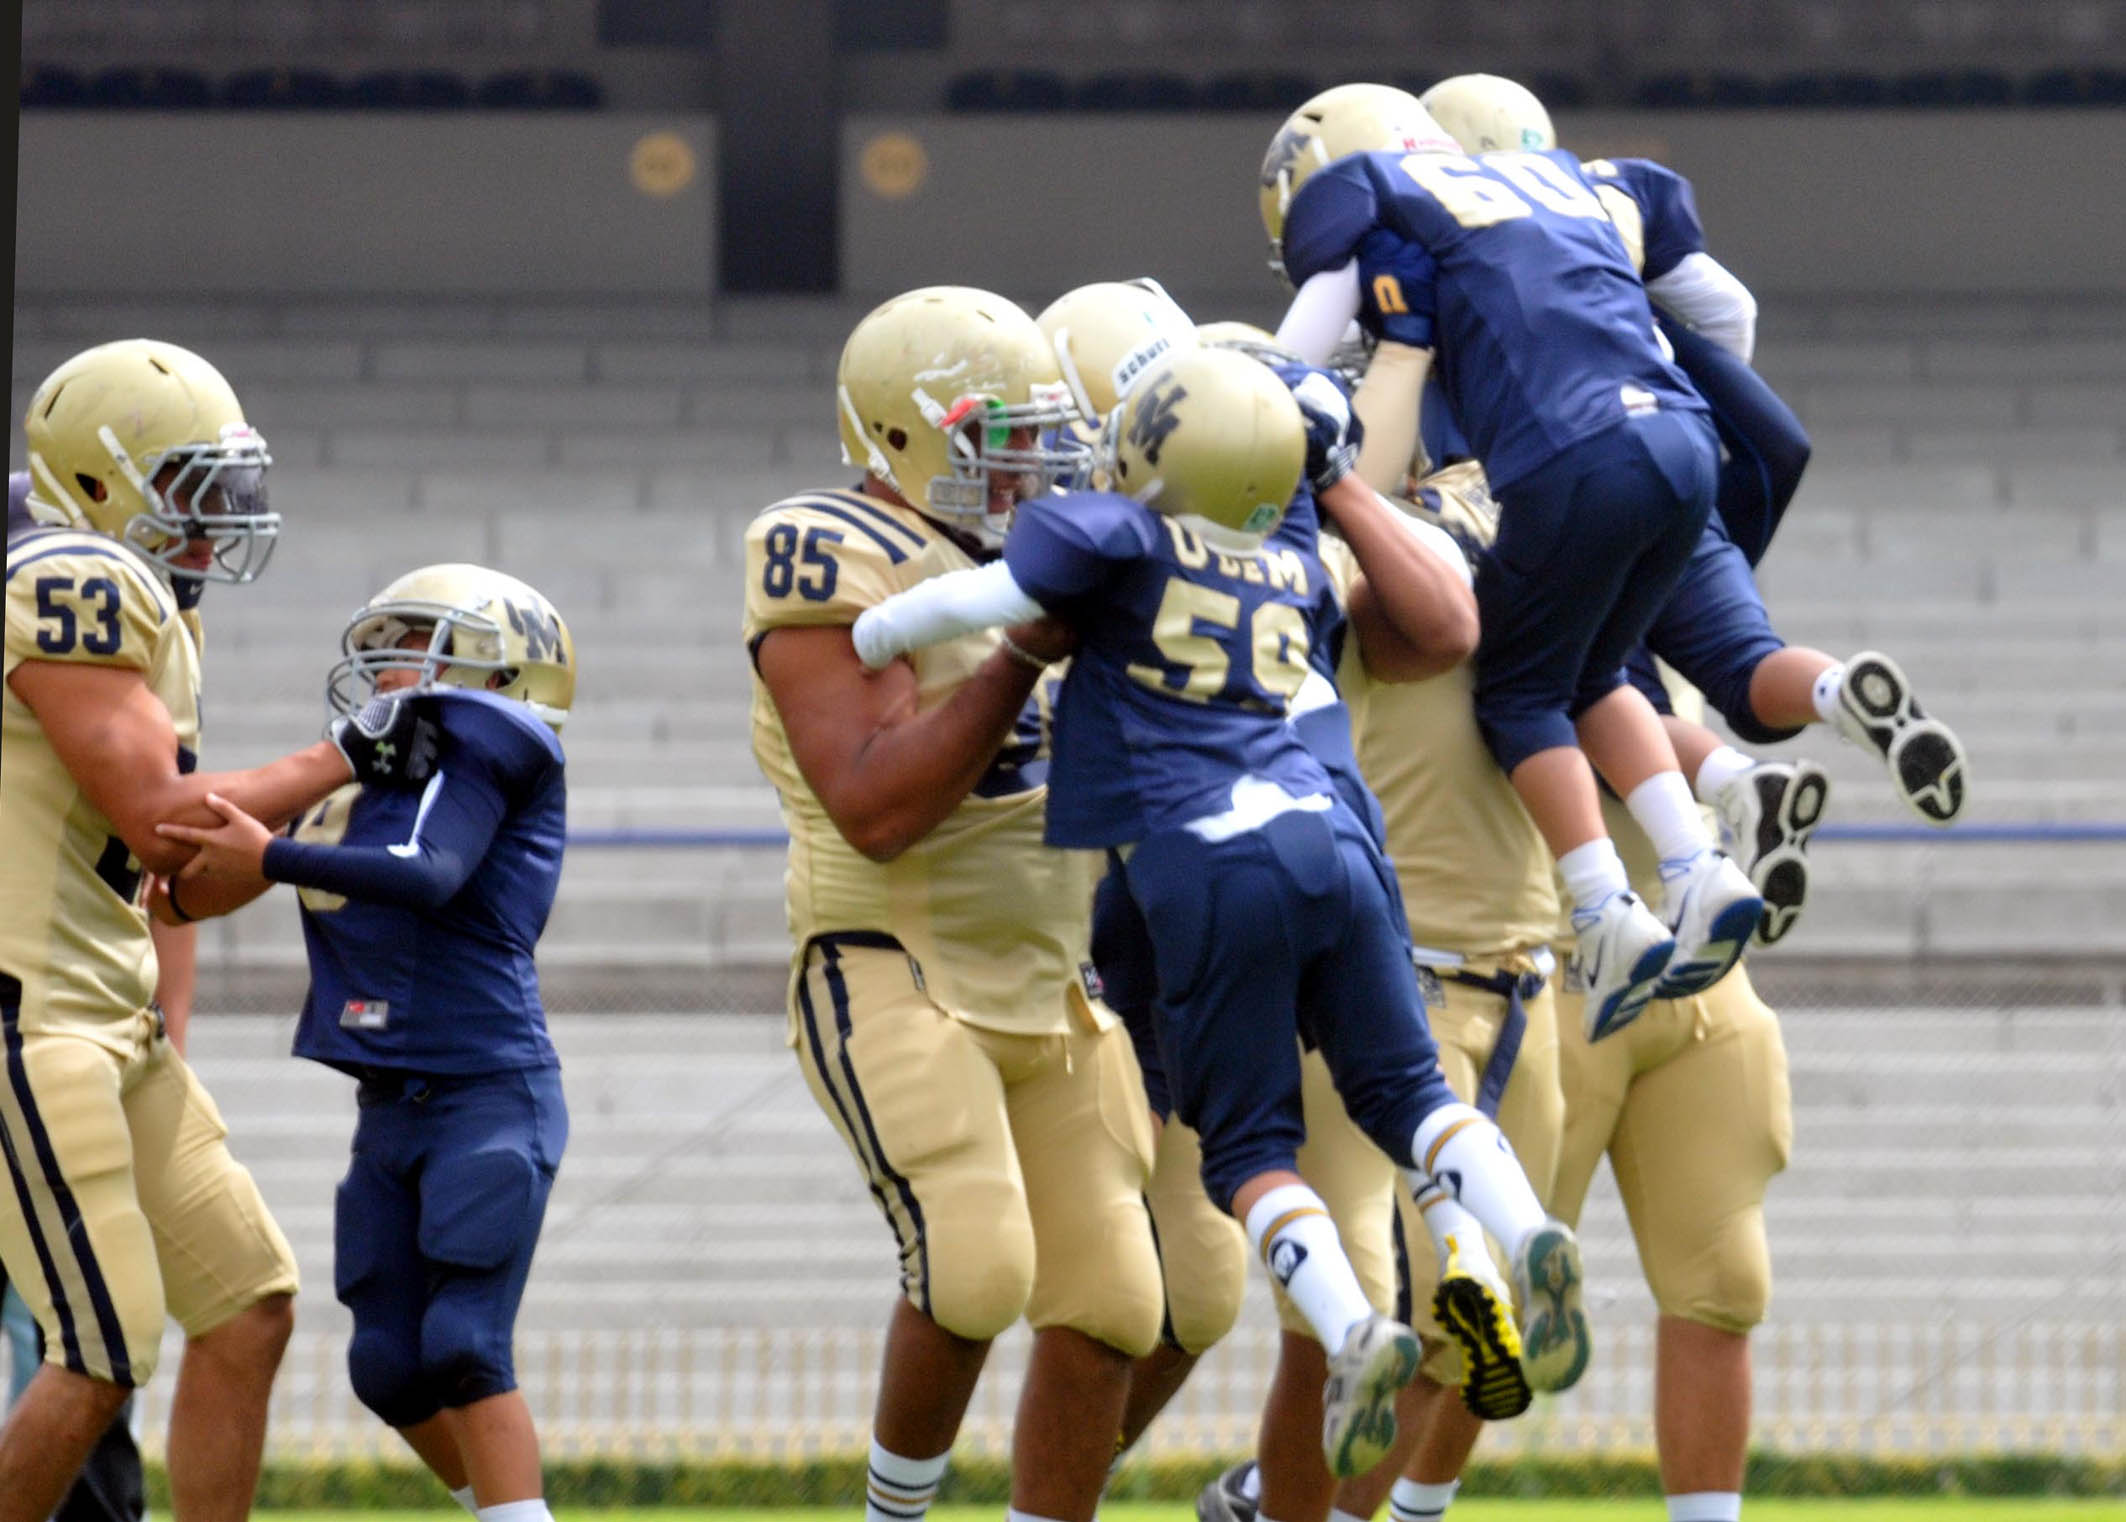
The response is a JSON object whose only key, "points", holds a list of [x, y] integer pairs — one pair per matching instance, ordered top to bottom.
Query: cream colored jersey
{"points": [[1475, 875], [72, 923], [997, 923]]}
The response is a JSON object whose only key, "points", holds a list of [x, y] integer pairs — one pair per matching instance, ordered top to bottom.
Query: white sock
{"points": [[1824, 695], [1721, 767], [1665, 810], [1593, 872], [1472, 1159], [1448, 1220], [1290, 1230], [1251, 1484], [898, 1489], [463, 1496], [1415, 1501], [1706, 1506], [516, 1511], [1338, 1514]]}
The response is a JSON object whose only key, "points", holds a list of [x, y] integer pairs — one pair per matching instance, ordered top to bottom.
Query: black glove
{"points": [[1334, 432], [390, 743]]}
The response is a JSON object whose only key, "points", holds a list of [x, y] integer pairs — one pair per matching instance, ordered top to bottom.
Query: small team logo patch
{"points": [[1089, 975], [1429, 985], [365, 1014], [1285, 1257]]}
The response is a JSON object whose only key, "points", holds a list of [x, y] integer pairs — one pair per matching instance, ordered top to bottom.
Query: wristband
{"points": [[1020, 653], [169, 893]]}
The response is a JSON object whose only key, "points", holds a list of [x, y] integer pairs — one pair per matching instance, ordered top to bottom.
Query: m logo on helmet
{"points": [[1155, 420], [541, 631]]}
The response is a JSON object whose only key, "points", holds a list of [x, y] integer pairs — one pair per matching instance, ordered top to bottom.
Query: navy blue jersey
{"points": [[1668, 212], [1510, 269], [19, 520], [1188, 658], [421, 908]]}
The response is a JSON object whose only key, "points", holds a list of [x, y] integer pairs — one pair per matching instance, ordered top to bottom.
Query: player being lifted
{"points": [[1599, 452], [1714, 630], [1270, 910], [422, 912], [940, 994], [124, 1202]]}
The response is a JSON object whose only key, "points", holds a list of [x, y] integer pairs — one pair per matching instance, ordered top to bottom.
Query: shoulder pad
{"points": [[1332, 212], [824, 557], [75, 596]]}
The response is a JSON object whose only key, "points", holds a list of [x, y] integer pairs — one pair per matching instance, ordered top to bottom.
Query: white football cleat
{"points": [[1927, 764], [1766, 818], [1712, 910], [1621, 952], [1555, 1345], [1378, 1359]]}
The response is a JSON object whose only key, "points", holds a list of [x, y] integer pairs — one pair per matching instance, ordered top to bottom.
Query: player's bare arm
{"points": [[1413, 610], [115, 738], [886, 774]]}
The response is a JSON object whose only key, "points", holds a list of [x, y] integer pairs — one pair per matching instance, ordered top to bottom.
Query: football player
{"points": [[1597, 448], [146, 482], [1714, 630], [1478, 887], [1265, 898], [422, 913], [942, 1000]]}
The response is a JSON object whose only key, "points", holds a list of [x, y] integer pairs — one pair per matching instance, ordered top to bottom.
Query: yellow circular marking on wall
{"points": [[661, 164], [894, 165]]}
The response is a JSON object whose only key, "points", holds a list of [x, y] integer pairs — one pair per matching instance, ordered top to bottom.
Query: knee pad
{"points": [[1726, 1284], [976, 1286], [465, 1352], [385, 1371]]}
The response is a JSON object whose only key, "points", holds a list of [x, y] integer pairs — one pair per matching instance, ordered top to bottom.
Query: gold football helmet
{"points": [[1486, 113], [1344, 120], [1106, 334], [1257, 343], [952, 396], [1212, 437], [145, 442], [486, 631]]}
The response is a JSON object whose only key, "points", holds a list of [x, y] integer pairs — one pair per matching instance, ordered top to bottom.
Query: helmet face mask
{"points": [[951, 396], [145, 442], [484, 631]]}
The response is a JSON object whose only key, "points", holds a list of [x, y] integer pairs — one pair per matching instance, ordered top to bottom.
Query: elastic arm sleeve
{"points": [[1705, 294], [1326, 305], [1388, 402], [942, 608], [456, 824]]}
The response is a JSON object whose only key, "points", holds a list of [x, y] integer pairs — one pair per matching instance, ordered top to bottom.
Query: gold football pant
{"points": [[1691, 1103], [1011, 1169], [123, 1201], [1203, 1252]]}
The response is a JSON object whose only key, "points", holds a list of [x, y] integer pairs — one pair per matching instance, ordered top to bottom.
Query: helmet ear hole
{"points": [[896, 438], [91, 488]]}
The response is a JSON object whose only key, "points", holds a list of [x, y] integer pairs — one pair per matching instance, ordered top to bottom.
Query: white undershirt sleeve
{"points": [[1705, 295], [1315, 322], [942, 608]]}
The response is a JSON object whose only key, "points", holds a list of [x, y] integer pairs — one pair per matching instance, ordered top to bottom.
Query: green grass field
{"points": [[1944, 1509]]}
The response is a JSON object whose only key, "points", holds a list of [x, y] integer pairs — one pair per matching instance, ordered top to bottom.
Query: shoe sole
{"points": [[1927, 763], [1780, 870], [1726, 938], [1630, 1001], [1555, 1346], [1494, 1385], [1369, 1423]]}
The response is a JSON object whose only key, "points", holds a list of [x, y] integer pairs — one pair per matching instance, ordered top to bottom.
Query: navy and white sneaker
{"points": [[1927, 763], [1766, 818], [1712, 910], [1621, 952], [1226, 1498]]}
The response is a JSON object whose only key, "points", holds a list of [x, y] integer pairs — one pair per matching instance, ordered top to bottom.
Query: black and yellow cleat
{"points": [[1477, 1312], [1555, 1346], [1379, 1357]]}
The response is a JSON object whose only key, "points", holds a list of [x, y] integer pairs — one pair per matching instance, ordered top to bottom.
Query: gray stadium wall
{"points": [[1837, 202], [543, 204]]}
